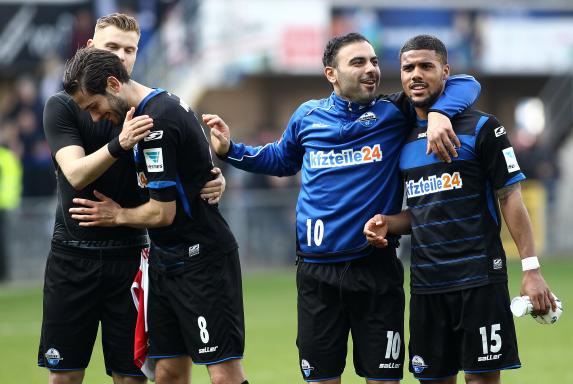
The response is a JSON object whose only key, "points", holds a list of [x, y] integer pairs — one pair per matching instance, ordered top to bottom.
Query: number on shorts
{"points": [[318, 232], [203, 329], [495, 339], [393, 346]]}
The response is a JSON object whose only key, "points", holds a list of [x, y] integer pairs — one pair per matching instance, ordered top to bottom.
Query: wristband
{"points": [[115, 149], [529, 263]]}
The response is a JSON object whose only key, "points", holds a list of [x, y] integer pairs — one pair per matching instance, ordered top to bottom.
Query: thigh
{"points": [[374, 298], [207, 303], [71, 312], [119, 315], [323, 324], [489, 340], [434, 346]]}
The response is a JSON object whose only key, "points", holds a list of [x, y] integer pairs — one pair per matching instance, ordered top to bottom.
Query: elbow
{"points": [[77, 183], [164, 218]]}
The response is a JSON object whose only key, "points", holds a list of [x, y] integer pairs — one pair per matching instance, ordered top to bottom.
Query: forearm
{"points": [[460, 92], [269, 159], [81, 170], [149, 215], [517, 220], [400, 224]]}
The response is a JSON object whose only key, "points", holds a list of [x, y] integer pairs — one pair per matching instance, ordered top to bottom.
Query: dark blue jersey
{"points": [[349, 156], [174, 162], [455, 214]]}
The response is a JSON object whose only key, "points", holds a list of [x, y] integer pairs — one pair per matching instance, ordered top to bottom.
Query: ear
{"points": [[90, 43], [446, 71], [330, 73], [113, 84]]}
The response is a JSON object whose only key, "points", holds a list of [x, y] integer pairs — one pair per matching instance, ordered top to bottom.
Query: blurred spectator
{"points": [[26, 114]]}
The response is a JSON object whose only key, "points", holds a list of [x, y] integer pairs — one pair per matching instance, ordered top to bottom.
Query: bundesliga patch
{"points": [[346, 157], [153, 159], [510, 160], [433, 184]]}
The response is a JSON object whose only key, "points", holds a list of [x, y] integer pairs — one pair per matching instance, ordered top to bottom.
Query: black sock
{"points": [[245, 382]]}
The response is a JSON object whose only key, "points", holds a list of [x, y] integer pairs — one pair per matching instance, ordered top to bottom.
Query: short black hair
{"points": [[428, 42], [334, 45], [89, 69]]}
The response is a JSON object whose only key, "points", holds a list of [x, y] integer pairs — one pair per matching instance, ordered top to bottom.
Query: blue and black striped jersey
{"points": [[456, 221]]}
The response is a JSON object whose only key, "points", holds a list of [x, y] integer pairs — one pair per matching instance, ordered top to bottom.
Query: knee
{"points": [[168, 375], [68, 377], [483, 378]]}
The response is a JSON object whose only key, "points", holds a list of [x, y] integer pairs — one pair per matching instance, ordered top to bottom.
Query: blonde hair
{"points": [[121, 21]]}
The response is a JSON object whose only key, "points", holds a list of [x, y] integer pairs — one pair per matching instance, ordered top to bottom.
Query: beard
{"points": [[427, 102], [118, 108]]}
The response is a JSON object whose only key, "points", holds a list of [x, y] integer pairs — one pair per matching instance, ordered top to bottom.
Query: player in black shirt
{"points": [[90, 270], [195, 306], [459, 308]]}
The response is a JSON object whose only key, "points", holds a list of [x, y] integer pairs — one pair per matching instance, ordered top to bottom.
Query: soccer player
{"points": [[347, 146], [89, 271], [195, 305], [459, 308]]}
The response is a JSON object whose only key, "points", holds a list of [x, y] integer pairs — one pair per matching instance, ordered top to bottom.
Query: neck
{"points": [[135, 93], [422, 113]]}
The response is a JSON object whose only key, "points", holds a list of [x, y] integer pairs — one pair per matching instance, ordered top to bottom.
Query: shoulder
{"points": [[61, 101], [313, 106], [473, 121]]}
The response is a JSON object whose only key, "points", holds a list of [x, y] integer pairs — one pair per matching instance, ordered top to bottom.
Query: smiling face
{"points": [[121, 43], [355, 75], [423, 75], [103, 107]]}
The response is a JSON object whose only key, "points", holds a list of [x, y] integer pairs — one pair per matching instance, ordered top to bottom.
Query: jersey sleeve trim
{"points": [[519, 177]]}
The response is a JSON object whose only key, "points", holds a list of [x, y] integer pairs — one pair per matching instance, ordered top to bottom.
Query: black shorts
{"points": [[81, 289], [364, 296], [198, 312], [470, 329]]}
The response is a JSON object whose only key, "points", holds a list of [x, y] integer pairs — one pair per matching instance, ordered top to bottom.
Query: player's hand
{"points": [[134, 129], [220, 133], [442, 141], [213, 190], [100, 213], [375, 231], [534, 286]]}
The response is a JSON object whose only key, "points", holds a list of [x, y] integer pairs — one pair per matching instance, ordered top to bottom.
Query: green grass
{"points": [[271, 355]]}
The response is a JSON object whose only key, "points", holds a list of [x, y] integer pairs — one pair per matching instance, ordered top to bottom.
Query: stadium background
{"points": [[253, 62]]}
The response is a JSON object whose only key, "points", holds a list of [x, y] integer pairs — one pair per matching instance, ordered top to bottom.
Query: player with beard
{"points": [[347, 147], [89, 271], [195, 304], [460, 314]]}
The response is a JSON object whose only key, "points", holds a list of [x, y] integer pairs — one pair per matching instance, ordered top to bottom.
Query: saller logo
{"points": [[346, 157], [433, 184]]}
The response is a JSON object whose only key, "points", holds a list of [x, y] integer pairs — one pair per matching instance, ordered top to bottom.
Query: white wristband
{"points": [[529, 263]]}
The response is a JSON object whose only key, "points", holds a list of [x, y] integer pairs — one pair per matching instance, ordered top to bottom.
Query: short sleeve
{"points": [[496, 153]]}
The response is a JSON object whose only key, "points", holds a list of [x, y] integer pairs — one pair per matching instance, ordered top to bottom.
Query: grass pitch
{"points": [[271, 355]]}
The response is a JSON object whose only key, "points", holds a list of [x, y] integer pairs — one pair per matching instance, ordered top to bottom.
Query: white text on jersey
{"points": [[346, 157], [433, 184]]}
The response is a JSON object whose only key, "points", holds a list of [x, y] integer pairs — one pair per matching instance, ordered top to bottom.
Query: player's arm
{"points": [[460, 92], [281, 158], [81, 170], [107, 213], [378, 226], [519, 226]]}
